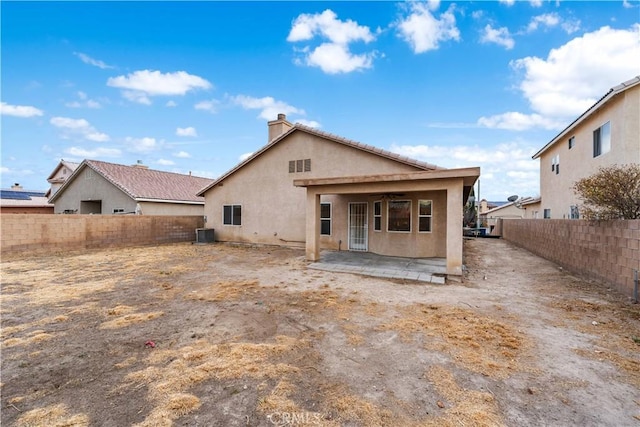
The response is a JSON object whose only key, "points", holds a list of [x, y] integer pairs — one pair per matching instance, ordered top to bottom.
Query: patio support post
{"points": [[313, 226], [454, 228]]}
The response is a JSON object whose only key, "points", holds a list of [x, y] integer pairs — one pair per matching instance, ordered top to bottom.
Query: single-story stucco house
{"points": [[97, 187], [320, 191]]}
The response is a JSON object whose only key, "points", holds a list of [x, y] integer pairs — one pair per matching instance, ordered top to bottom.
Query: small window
{"points": [[602, 139], [572, 141], [555, 164], [299, 165], [307, 165], [292, 166], [118, 210], [547, 213], [574, 213], [232, 215], [399, 215], [377, 216], [424, 216], [325, 219]]}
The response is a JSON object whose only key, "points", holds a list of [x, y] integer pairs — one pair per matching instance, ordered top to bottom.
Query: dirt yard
{"points": [[220, 335]]}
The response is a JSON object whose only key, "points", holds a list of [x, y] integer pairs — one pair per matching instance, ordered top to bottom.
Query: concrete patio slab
{"points": [[431, 270]]}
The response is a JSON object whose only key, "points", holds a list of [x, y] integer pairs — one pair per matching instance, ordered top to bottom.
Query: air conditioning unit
{"points": [[204, 235]]}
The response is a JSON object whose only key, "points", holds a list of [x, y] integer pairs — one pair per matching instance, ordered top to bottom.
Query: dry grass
{"points": [[226, 291], [130, 319], [614, 331], [479, 343], [173, 372], [279, 400], [465, 407], [52, 416]]}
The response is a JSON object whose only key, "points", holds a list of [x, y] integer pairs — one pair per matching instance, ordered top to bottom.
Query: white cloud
{"points": [[508, 2], [535, 3], [547, 20], [327, 25], [424, 32], [498, 36], [334, 56], [89, 60], [574, 76], [571, 78], [140, 85], [138, 97], [84, 102], [170, 104], [210, 106], [268, 106], [19, 110], [519, 121], [310, 123], [79, 127], [188, 131], [142, 145], [93, 153], [182, 155], [245, 156], [165, 162], [506, 166], [15, 172]]}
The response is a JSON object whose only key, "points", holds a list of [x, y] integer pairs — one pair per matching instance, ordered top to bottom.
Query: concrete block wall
{"points": [[40, 234], [607, 251]]}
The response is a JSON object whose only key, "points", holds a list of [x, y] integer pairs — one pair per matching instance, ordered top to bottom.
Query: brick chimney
{"points": [[278, 127]]}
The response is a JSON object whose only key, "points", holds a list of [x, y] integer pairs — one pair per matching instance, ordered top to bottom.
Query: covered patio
{"points": [[456, 183]]}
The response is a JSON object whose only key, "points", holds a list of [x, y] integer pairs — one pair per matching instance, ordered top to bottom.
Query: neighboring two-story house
{"points": [[606, 134]]}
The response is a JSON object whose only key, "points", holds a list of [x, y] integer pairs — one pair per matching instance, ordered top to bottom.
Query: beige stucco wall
{"points": [[623, 112], [89, 185], [273, 209]]}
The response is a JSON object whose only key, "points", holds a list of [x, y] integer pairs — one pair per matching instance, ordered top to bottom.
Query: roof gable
{"points": [[612, 93], [330, 137], [63, 163], [141, 183]]}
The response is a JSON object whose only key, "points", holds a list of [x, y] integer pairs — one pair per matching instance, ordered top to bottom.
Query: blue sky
{"points": [[190, 86]]}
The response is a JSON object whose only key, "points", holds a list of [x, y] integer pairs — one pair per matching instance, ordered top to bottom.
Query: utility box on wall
{"points": [[205, 235]]}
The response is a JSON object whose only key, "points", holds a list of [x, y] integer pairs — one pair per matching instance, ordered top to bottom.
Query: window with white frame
{"points": [[602, 139], [572, 142], [555, 164], [425, 209], [118, 210], [547, 213], [232, 215], [399, 215], [377, 216], [325, 219]]}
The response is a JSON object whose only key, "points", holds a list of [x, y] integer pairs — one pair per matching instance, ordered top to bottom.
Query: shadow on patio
{"points": [[432, 270]]}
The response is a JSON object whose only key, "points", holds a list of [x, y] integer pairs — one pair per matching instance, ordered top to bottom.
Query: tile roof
{"points": [[332, 137], [141, 183]]}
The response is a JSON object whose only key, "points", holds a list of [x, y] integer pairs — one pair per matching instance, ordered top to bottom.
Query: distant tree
{"points": [[611, 193], [470, 211]]}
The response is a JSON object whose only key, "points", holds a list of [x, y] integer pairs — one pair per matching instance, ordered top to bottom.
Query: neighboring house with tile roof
{"points": [[608, 133], [59, 175], [97, 187], [313, 189], [17, 200], [523, 208]]}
